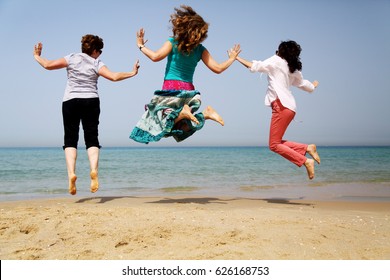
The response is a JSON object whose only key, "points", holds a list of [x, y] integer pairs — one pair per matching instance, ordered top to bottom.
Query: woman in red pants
{"points": [[284, 70]]}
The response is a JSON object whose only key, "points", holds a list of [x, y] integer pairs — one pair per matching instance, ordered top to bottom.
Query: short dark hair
{"points": [[90, 43]]}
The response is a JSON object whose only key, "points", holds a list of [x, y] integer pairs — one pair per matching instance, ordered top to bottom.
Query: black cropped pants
{"points": [[86, 111]]}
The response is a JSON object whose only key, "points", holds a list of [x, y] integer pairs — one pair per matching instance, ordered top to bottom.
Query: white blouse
{"points": [[280, 80]]}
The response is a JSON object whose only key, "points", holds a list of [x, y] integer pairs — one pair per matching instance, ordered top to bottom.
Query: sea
{"points": [[345, 173]]}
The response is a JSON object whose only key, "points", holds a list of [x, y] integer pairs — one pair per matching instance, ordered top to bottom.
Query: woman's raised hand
{"points": [[140, 38], [37, 49], [233, 52]]}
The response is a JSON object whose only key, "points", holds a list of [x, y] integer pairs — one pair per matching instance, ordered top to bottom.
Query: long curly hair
{"points": [[189, 29], [90, 43], [290, 51]]}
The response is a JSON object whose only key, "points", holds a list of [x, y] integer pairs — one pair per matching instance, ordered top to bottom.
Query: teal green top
{"points": [[181, 67]]}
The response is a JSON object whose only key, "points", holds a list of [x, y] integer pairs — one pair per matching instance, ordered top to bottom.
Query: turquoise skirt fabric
{"points": [[158, 121]]}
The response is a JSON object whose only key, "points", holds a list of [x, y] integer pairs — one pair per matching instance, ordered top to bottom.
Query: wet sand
{"points": [[193, 228]]}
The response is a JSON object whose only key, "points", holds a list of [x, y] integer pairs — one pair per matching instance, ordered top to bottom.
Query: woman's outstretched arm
{"points": [[154, 56], [244, 62], [46, 63], [216, 67], [118, 76]]}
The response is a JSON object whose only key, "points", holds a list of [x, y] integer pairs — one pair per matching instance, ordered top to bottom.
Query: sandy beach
{"points": [[193, 228]]}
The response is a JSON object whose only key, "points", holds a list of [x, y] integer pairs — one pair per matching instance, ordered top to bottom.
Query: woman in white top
{"points": [[284, 70], [81, 101]]}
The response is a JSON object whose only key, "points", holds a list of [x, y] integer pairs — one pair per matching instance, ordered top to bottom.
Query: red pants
{"points": [[281, 118]]}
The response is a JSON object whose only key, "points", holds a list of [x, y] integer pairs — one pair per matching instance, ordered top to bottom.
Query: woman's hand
{"points": [[140, 38], [37, 49], [233, 52], [136, 67], [315, 83]]}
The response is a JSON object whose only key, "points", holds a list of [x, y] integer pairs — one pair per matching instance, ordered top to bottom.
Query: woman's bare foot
{"points": [[186, 114], [210, 114], [312, 150], [309, 164], [94, 181], [72, 184]]}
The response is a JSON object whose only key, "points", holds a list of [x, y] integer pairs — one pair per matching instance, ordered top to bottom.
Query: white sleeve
{"points": [[67, 57], [100, 64], [258, 66], [301, 83]]}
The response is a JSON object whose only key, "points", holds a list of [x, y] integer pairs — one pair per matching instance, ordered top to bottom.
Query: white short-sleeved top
{"points": [[83, 74]]}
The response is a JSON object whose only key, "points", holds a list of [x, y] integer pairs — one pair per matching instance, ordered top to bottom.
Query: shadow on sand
{"points": [[196, 200]]}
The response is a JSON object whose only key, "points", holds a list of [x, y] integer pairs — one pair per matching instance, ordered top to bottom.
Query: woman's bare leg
{"points": [[210, 114], [93, 156], [70, 158]]}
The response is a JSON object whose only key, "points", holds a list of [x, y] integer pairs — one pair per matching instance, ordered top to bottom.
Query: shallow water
{"points": [[353, 173]]}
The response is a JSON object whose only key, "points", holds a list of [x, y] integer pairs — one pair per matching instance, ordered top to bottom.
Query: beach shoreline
{"points": [[189, 227]]}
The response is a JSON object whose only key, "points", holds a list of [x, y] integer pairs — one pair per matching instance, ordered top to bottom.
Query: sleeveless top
{"points": [[181, 66]]}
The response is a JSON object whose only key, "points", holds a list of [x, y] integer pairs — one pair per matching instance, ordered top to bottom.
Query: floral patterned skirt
{"points": [[158, 121]]}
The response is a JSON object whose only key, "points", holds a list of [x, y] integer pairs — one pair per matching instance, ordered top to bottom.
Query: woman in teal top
{"points": [[170, 112]]}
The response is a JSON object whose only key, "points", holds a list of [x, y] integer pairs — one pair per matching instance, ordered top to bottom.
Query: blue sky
{"points": [[345, 47]]}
